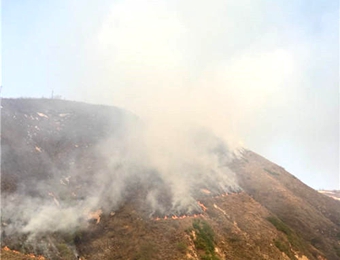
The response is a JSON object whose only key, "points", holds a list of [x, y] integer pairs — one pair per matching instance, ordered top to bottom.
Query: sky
{"points": [[263, 74]]}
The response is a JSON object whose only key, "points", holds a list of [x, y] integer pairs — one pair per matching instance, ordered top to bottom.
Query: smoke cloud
{"points": [[164, 64], [250, 72], [262, 73], [205, 80], [84, 165]]}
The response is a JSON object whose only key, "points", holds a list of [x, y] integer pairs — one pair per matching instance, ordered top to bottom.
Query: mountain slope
{"points": [[51, 163], [314, 216]]}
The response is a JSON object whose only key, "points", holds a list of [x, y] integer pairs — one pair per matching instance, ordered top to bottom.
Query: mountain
{"points": [[73, 187], [335, 194]]}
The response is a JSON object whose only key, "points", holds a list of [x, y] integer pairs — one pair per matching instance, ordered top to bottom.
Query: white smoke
{"points": [[199, 76], [168, 162]]}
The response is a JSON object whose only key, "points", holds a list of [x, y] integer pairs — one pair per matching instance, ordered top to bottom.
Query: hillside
{"points": [[71, 187], [335, 194]]}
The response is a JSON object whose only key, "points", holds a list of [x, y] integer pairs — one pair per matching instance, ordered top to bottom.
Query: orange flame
{"points": [[206, 191], [204, 208], [95, 215], [178, 217], [39, 257]]}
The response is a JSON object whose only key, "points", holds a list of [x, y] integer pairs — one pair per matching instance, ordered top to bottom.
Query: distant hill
{"points": [[68, 192], [335, 194]]}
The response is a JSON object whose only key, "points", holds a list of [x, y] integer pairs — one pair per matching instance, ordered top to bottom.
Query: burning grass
{"points": [[194, 214], [174, 217], [20, 255]]}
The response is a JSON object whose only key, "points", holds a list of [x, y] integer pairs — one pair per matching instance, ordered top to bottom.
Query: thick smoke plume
{"points": [[71, 172]]}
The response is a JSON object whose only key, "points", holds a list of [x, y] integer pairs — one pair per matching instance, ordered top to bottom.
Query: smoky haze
{"points": [[165, 65], [180, 71], [261, 73], [205, 79], [76, 160]]}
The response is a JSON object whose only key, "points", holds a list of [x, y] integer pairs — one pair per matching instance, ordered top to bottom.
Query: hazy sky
{"points": [[262, 73]]}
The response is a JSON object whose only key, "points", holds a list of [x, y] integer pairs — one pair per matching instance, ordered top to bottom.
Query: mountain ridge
{"points": [[275, 216]]}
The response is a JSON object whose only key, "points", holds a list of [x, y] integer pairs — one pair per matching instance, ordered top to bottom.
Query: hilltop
{"points": [[67, 191]]}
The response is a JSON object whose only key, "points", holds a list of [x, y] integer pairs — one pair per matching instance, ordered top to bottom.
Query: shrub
{"points": [[271, 172], [279, 225], [338, 235], [292, 237], [204, 239], [182, 247], [284, 247], [337, 250], [65, 251], [147, 251]]}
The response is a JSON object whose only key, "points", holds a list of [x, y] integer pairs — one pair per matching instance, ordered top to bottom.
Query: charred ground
{"points": [[274, 216]]}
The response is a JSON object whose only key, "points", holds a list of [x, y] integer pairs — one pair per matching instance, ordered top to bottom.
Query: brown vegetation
{"points": [[275, 217]]}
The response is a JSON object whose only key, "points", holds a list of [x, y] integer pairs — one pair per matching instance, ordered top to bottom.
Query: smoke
{"points": [[190, 63], [249, 71], [200, 77], [192, 84], [96, 161]]}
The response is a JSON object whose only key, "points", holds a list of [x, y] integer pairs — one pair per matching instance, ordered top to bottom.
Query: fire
{"points": [[42, 115], [205, 191], [222, 195], [54, 198], [204, 208], [95, 215], [174, 217], [177, 217], [7, 249], [39, 257]]}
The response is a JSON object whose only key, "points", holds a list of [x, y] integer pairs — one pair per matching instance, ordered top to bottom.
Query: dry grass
{"points": [[241, 226]]}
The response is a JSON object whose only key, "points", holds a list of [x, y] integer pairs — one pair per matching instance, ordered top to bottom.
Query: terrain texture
{"points": [[272, 216]]}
